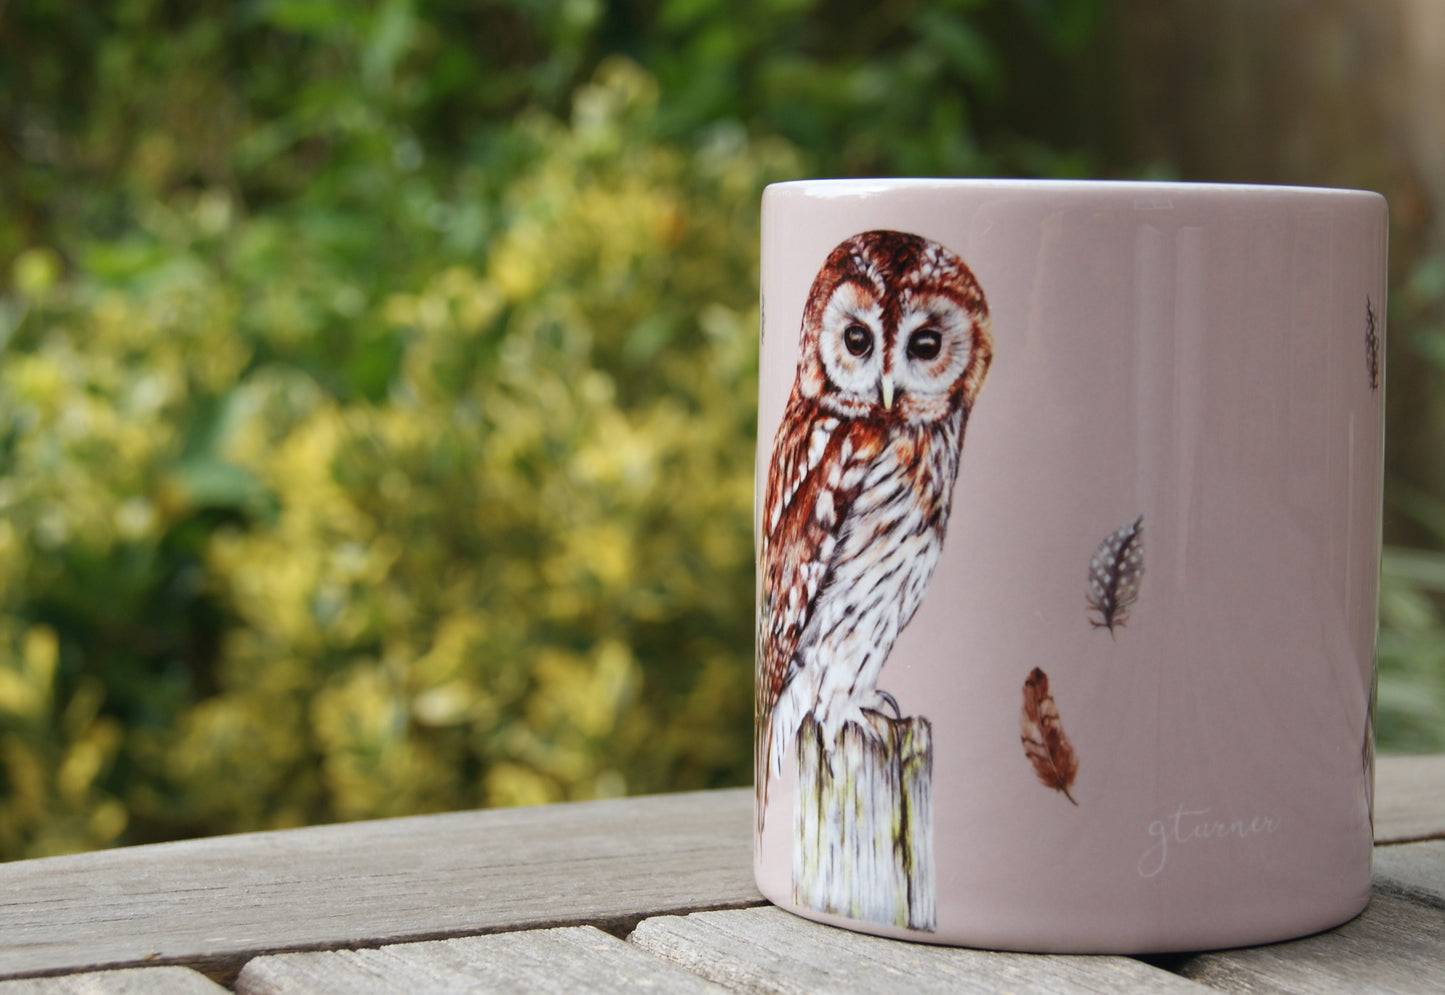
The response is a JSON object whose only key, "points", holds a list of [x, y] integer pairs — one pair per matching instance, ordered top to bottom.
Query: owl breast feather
{"points": [[890, 511]]}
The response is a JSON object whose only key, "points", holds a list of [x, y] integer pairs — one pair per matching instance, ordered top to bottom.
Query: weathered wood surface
{"points": [[1409, 798], [863, 822], [1416, 869], [215, 903], [1397, 945], [767, 950], [568, 960], [134, 981]]}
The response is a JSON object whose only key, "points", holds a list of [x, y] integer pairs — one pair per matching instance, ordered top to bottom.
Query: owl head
{"points": [[895, 328]]}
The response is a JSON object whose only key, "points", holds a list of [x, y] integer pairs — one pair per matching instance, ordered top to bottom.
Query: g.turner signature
{"points": [[1191, 825]]}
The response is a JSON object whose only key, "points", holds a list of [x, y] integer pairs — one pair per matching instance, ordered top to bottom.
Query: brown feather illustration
{"points": [[1115, 572], [1045, 744]]}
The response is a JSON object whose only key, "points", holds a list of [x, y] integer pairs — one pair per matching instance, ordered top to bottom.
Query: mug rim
{"points": [[864, 186]]}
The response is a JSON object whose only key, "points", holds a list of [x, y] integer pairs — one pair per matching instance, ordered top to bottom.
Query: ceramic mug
{"points": [[1068, 531]]}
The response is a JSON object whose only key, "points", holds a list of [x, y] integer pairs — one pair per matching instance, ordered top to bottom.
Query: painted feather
{"points": [[1372, 345], [1114, 575], [1045, 744], [1367, 750]]}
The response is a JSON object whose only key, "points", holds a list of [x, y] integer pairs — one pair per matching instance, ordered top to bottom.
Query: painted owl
{"points": [[895, 345]]}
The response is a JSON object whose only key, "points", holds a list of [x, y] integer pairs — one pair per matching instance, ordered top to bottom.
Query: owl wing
{"points": [[817, 469]]}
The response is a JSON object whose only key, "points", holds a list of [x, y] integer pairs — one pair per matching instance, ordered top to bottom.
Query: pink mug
{"points": [[1068, 533]]}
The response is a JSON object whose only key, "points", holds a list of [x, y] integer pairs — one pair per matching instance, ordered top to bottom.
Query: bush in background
{"points": [[377, 406]]}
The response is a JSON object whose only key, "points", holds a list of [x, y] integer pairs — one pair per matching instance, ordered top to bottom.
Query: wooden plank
{"points": [[1409, 798], [1413, 869], [215, 903], [1397, 945], [768, 950], [566, 960], [138, 981]]}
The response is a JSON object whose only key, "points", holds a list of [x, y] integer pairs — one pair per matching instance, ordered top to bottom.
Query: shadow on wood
{"points": [[863, 822]]}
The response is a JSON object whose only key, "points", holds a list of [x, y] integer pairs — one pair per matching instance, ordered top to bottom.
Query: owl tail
{"points": [[780, 728], [767, 763], [762, 773]]}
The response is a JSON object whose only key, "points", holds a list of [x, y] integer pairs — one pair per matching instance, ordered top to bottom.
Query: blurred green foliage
{"points": [[377, 396], [376, 414], [1411, 695]]}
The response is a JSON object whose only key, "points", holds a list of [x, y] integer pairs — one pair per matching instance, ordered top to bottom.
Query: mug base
{"points": [[1102, 933]]}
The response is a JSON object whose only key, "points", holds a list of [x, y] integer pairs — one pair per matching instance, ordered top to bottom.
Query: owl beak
{"points": [[887, 393]]}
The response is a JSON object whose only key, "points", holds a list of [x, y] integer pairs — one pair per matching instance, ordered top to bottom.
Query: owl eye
{"points": [[858, 339], [924, 344]]}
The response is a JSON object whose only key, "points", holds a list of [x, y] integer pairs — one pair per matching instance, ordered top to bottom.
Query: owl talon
{"points": [[891, 702]]}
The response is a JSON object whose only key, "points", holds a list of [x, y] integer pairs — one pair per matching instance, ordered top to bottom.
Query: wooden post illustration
{"points": [[863, 822]]}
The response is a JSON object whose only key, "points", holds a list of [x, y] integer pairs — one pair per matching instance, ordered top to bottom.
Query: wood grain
{"points": [[1409, 798], [1413, 869], [215, 903], [1397, 945], [767, 950], [563, 961], [139, 981]]}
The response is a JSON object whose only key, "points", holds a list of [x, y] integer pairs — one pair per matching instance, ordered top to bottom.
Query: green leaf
{"points": [[317, 17]]}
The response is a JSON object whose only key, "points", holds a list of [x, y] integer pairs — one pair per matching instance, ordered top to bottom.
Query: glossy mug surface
{"points": [[1068, 533]]}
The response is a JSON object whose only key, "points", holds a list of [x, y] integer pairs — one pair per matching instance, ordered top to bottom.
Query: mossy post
{"points": [[863, 822]]}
